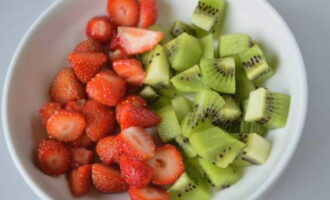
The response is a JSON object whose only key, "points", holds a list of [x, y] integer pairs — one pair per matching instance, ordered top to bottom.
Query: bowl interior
{"points": [[43, 53]]}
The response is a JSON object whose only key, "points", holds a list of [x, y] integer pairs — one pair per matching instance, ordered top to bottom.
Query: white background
{"points": [[307, 176]]}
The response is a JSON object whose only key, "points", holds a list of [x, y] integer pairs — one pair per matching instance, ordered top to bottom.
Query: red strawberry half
{"points": [[124, 12], [148, 13], [100, 29], [88, 46], [130, 69], [133, 99], [75, 105], [47, 110], [83, 141], [108, 150], [80, 156], [80, 180], [148, 193]]}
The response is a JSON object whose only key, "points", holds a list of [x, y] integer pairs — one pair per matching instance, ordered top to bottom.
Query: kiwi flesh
{"points": [[180, 27], [167, 34], [233, 44], [207, 45], [183, 52], [219, 74], [189, 80], [243, 85], [166, 90], [149, 94], [160, 103], [182, 106], [189, 124], [169, 126], [252, 127], [185, 145]]}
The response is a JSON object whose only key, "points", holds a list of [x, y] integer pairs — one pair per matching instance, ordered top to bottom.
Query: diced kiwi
{"points": [[218, 26], [180, 27], [200, 32], [167, 34], [233, 44], [207, 45], [184, 52], [255, 65], [219, 74], [189, 80], [243, 85], [166, 90], [149, 94], [160, 103], [182, 106], [269, 109], [189, 124], [169, 126], [252, 127], [241, 136], [185, 145], [216, 146]]}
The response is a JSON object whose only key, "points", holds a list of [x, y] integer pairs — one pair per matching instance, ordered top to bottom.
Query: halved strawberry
{"points": [[124, 12], [148, 13], [100, 29], [137, 40], [88, 46], [117, 54], [86, 65], [130, 69], [66, 87], [107, 88], [133, 99], [75, 105], [47, 110], [100, 120], [66, 126], [83, 141], [136, 142], [108, 150], [80, 156], [53, 157], [167, 164], [136, 172], [107, 179], [80, 180], [148, 193]]}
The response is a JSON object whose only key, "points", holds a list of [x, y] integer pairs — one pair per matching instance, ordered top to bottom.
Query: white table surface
{"points": [[307, 176]]}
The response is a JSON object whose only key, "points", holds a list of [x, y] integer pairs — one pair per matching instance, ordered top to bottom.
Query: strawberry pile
{"points": [[95, 122]]}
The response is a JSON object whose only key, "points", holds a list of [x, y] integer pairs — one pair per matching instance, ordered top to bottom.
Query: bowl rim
{"points": [[261, 191]]}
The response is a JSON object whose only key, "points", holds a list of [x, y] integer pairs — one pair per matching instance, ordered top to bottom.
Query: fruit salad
{"points": [[159, 112]]}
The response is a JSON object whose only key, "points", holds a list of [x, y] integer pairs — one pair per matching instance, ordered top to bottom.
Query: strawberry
{"points": [[124, 12], [148, 13], [100, 29], [137, 40], [114, 43], [88, 46], [117, 54], [86, 65], [129, 69], [66, 87], [107, 88], [134, 99], [75, 105], [47, 110], [100, 120], [66, 126], [83, 141], [136, 142], [108, 150], [80, 156], [53, 157], [167, 165], [136, 172], [107, 179], [80, 180], [148, 193]]}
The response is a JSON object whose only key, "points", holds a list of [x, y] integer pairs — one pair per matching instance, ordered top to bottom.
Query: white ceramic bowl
{"points": [[44, 49]]}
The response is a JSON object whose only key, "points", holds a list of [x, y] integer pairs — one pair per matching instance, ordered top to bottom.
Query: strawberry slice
{"points": [[124, 12], [148, 13], [100, 29], [137, 40], [88, 46], [117, 54], [87, 65], [130, 69], [66, 87], [107, 88], [134, 99], [75, 105], [47, 110], [100, 120], [66, 126], [83, 141], [136, 142], [108, 150], [80, 156], [53, 157], [167, 164], [136, 172], [107, 179], [80, 180], [148, 193]]}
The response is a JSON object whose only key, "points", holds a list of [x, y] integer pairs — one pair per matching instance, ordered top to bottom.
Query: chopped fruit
{"points": [[124, 12], [148, 13], [100, 29], [136, 40], [114, 43], [88, 46], [117, 54], [86, 65], [130, 69], [66, 87], [107, 88], [133, 99], [75, 105], [47, 110], [100, 120], [66, 126], [83, 141], [136, 142], [108, 150], [80, 156], [53, 157], [167, 164], [136, 172], [107, 179], [80, 180], [148, 193]]}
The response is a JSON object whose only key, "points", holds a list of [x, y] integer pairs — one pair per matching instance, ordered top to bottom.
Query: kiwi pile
{"points": [[208, 90]]}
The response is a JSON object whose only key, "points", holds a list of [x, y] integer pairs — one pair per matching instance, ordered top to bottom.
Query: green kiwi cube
{"points": [[218, 26], [179, 27], [200, 32], [167, 34], [233, 44], [207, 45], [243, 85], [166, 90], [149, 94], [160, 103], [182, 106], [230, 111], [191, 124], [169, 126], [252, 127], [185, 145]]}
